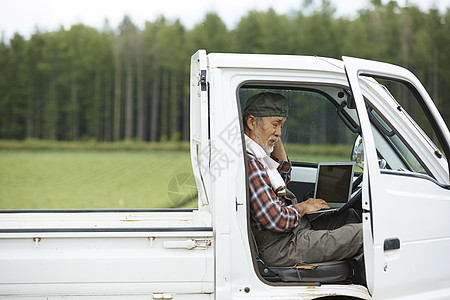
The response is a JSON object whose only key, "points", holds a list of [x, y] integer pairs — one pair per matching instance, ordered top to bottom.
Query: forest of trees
{"points": [[132, 83]]}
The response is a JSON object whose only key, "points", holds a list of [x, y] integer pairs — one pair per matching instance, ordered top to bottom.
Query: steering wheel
{"points": [[357, 182], [355, 188], [356, 197]]}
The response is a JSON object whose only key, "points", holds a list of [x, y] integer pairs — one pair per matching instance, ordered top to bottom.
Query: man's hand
{"points": [[278, 151], [311, 205]]}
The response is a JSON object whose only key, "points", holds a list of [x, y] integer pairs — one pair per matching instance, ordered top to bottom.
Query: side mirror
{"points": [[358, 152]]}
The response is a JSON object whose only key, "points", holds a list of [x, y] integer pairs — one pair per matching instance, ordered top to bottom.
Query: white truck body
{"points": [[206, 253]]}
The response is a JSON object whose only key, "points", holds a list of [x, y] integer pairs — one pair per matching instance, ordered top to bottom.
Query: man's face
{"points": [[267, 132]]}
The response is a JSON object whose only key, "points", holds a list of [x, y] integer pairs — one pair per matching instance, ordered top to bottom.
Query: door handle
{"points": [[391, 244]]}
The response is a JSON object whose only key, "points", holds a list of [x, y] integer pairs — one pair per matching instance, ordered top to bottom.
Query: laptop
{"points": [[333, 184]]}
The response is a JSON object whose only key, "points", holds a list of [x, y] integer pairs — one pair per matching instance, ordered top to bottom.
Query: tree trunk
{"points": [[117, 96], [129, 99], [164, 105], [107, 109], [141, 109], [74, 111], [30, 112], [50, 114], [186, 114], [173, 116], [154, 122], [95, 128]]}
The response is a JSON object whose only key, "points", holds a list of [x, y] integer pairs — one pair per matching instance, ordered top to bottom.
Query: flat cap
{"points": [[266, 104]]}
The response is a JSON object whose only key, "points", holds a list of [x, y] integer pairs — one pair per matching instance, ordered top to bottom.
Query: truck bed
{"points": [[106, 253]]}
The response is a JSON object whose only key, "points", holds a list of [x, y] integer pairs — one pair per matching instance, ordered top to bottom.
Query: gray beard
{"points": [[265, 145]]}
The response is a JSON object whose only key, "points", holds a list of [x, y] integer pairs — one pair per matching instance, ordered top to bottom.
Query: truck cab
{"points": [[342, 110]]}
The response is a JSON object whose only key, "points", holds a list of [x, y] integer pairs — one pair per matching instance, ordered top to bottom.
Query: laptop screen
{"points": [[334, 181]]}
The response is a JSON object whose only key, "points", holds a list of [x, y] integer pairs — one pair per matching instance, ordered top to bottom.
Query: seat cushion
{"points": [[328, 272]]}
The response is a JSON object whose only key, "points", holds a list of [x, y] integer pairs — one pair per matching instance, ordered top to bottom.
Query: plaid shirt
{"points": [[268, 211]]}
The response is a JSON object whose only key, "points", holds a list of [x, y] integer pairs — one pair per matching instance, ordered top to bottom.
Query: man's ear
{"points": [[251, 122]]}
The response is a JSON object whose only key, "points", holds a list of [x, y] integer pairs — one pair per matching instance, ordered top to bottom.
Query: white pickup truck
{"points": [[402, 192]]}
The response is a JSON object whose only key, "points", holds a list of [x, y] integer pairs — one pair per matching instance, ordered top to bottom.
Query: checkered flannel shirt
{"points": [[268, 211]]}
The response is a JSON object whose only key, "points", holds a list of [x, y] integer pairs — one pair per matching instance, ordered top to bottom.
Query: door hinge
{"points": [[203, 80], [188, 244]]}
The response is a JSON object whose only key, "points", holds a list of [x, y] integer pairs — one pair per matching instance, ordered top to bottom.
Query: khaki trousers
{"points": [[327, 238]]}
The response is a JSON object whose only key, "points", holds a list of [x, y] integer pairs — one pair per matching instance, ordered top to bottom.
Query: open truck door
{"points": [[199, 129], [406, 191]]}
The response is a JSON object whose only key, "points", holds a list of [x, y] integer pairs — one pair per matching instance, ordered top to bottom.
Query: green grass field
{"points": [[55, 175], [87, 179]]}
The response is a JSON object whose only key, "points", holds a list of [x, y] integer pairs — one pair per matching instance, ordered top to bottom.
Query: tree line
{"points": [[132, 83]]}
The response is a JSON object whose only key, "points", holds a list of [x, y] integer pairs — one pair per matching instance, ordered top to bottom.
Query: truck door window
{"points": [[409, 104], [313, 131], [392, 149], [400, 155]]}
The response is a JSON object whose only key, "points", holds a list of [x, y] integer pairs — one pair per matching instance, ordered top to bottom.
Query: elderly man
{"points": [[284, 236]]}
